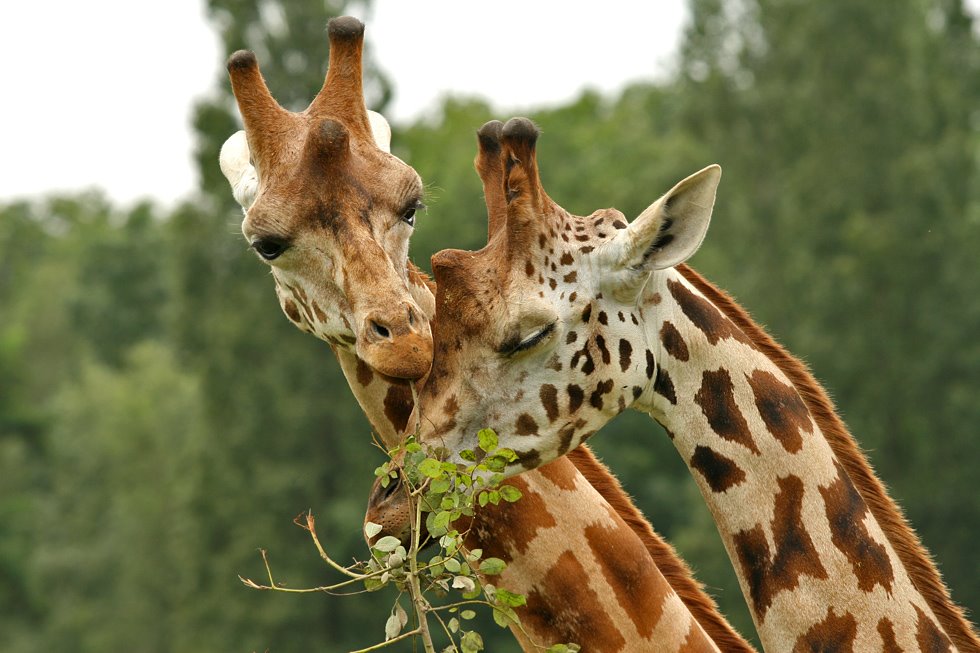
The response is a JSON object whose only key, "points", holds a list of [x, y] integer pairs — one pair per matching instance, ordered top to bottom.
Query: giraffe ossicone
{"points": [[561, 322]]}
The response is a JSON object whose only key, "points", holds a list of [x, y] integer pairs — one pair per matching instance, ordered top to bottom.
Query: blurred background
{"points": [[160, 420]]}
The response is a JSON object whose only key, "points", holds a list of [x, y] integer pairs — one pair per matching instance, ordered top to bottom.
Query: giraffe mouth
{"points": [[400, 357]]}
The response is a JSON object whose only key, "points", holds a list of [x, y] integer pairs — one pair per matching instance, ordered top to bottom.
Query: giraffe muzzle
{"points": [[396, 343]]}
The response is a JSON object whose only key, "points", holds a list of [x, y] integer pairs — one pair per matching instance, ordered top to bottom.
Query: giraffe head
{"points": [[331, 211], [540, 334]]}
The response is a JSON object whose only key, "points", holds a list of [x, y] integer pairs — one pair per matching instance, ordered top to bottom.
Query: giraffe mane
{"points": [[920, 565], [673, 568]]}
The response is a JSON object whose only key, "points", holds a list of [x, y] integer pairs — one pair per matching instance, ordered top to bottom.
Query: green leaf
{"points": [[488, 439], [467, 454], [430, 467], [439, 485], [509, 493], [483, 498], [442, 519], [371, 529], [386, 544], [452, 565], [492, 566], [373, 584], [509, 598], [401, 614], [467, 614], [505, 616], [453, 625], [392, 627], [471, 642]]}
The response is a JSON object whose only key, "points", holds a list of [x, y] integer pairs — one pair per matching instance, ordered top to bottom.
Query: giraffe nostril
{"points": [[411, 316], [380, 329]]}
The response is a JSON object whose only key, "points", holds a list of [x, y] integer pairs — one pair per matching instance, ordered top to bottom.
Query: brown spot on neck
{"points": [[705, 316], [674, 342], [625, 354], [364, 373], [664, 387], [602, 388], [575, 398], [717, 401], [398, 405], [783, 411], [525, 425], [719, 471], [846, 512], [769, 573], [639, 587], [568, 610], [887, 632], [834, 633], [928, 635]]}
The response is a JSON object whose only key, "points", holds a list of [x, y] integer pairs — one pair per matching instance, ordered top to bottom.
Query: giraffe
{"points": [[331, 212], [561, 322], [387, 401], [638, 593]]}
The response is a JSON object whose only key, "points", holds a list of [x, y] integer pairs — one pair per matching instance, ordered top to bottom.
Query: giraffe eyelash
{"points": [[532, 340]]}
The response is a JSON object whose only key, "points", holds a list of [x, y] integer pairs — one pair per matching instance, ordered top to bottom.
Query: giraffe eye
{"points": [[408, 216], [269, 248], [534, 339]]}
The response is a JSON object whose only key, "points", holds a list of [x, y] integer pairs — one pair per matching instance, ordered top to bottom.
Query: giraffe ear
{"points": [[381, 131], [235, 161], [671, 229]]}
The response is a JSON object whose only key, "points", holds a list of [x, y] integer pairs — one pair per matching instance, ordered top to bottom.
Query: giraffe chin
{"points": [[404, 357]]}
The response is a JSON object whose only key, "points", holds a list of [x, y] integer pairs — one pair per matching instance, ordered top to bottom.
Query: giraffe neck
{"points": [[812, 559], [587, 575]]}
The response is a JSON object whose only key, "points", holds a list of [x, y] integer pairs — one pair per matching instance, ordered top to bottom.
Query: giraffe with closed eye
{"points": [[562, 322]]}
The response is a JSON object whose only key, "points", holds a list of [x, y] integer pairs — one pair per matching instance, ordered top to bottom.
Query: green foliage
{"points": [[158, 416], [445, 494]]}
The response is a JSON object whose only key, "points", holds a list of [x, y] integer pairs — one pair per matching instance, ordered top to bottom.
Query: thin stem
{"points": [[311, 527], [356, 578], [415, 591], [440, 608], [446, 630], [406, 635]]}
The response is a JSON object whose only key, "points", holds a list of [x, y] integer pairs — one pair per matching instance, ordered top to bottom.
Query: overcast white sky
{"points": [[99, 93]]}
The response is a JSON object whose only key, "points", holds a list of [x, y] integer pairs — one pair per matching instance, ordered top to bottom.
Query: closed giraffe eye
{"points": [[533, 340]]}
